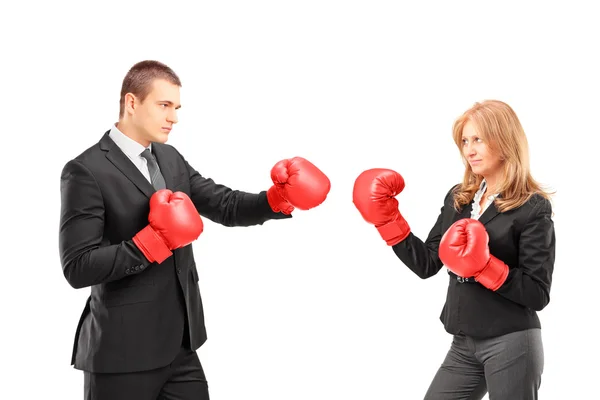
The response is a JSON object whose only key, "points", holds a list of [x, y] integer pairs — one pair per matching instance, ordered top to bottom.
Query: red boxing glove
{"points": [[297, 183], [374, 196], [174, 222], [464, 250]]}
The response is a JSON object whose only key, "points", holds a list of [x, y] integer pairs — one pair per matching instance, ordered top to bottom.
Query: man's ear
{"points": [[131, 103]]}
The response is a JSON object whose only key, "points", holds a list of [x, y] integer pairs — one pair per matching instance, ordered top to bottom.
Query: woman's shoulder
{"points": [[452, 191], [539, 201], [536, 204]]}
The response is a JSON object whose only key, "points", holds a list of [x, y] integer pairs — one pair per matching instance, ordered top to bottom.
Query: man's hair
{"points": [[140, 77]]}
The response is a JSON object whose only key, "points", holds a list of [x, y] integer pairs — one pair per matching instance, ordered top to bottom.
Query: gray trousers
{"points": [[508, 367]]}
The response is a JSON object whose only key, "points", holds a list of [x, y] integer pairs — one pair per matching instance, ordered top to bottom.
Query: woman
{"points": [[495, 236]]}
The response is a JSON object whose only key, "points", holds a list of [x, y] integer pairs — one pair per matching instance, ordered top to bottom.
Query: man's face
{"points": [[157, 114]]}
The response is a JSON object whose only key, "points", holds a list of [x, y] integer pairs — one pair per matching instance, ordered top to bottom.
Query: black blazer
{"points": [[523, 238], [136, 314]]}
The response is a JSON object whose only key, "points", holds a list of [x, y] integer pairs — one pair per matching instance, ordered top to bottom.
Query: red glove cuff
{"points": [[277, 202], [394, 232], [152, 245], [494, 274]]}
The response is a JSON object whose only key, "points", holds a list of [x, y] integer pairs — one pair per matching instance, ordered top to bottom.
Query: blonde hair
{"points": [[497, 124]]}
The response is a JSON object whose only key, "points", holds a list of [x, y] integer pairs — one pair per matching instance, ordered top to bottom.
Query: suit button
{"points": [[142, 266], [178, 270], [127, 271]]}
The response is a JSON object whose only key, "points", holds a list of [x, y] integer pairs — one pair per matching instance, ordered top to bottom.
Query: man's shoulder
{"points": [[91, 154]]}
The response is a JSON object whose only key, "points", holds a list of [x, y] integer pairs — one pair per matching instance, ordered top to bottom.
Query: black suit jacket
{"points": [[523, 238], [137, 311]]}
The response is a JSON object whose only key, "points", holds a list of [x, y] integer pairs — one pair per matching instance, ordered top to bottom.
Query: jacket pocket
{"points": [[143, 278], [129, 295]]}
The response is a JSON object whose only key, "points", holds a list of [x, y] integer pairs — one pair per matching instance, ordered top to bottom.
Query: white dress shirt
{"points": [[132, 150], [477, 209]]}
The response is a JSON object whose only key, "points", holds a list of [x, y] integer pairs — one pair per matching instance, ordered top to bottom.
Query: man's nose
{"points": [[173, 117]]}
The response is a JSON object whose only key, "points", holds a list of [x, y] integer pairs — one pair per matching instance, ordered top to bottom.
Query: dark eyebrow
{"points": [[170, 103]]}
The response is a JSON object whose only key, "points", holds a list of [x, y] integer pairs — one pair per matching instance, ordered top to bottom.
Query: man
{"points": [[131, 205]]}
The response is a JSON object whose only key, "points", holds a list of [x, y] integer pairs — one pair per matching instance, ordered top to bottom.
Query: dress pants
{"points": [[508, 367], [182, 379]]}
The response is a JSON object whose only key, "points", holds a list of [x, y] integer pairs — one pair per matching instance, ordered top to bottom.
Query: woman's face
{"points": [[482, 160]]}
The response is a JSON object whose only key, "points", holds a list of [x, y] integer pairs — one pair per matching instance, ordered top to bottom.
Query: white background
{"points": [[316, 307]]}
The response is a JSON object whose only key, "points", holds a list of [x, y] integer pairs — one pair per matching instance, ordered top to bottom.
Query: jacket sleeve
{"points": [[226, 206], [422, 257], [85, 260], [529, 283]]}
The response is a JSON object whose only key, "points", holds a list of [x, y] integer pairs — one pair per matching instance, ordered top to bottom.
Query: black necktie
{"points": [[158, 181]]}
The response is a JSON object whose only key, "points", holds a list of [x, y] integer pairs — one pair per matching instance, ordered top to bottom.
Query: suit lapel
{"points": [[124, 164], [464, 213], [490, 213]]}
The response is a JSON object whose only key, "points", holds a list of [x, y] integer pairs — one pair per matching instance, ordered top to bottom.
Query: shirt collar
{"points": [[129, 146], [483, 187]]}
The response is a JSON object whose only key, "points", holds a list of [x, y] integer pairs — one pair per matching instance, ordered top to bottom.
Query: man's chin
{"points": [[161, 138]]}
